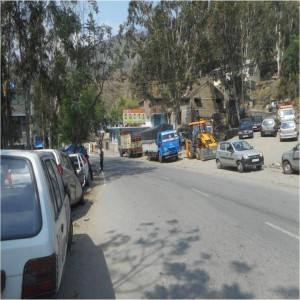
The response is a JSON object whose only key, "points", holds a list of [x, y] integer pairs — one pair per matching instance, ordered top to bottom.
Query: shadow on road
{"points": [[163, 250], [90, 278]]}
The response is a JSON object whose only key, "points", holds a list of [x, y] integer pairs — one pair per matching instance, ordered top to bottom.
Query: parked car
{"points": [[272, 105], [256, 120], [268, 127], [245, 128], [288, 130], [238, 154], [290, 160], [82, 168], [68, 172], [36, 225]]}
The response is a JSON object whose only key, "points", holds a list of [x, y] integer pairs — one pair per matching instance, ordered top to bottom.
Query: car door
{"points": [[222, 154], [229, 154], [295, 160], [77, 183], [61, 206]]}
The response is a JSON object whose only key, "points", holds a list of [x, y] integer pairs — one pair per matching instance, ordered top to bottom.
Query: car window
{"points": [[257, 119], [268, 122], [246, 124], [287, 125], [168, 137], [222, 146], [241, 146], [229, 147], [66, 162], [54, 184], [20, 207]]}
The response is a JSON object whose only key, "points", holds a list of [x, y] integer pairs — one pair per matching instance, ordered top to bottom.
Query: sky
{"points": [[112, 13]]}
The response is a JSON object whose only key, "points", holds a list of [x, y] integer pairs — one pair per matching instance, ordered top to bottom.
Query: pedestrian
{"points": [[101, 159]]}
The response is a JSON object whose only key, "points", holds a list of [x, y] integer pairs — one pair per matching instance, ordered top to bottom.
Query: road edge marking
{"points": [[200, 192], [283, 230]]}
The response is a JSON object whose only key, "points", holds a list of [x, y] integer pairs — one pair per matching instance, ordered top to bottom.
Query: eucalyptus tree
{"points": [[170, 45]]}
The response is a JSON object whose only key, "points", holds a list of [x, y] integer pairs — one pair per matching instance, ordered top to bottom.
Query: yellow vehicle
{"points": [[201, 143]]}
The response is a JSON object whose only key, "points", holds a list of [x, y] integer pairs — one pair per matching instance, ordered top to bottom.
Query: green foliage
{"points": [[116, 113]]}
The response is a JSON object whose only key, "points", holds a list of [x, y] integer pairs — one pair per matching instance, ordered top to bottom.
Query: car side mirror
{"points": [[294, 149], [230, 150]]}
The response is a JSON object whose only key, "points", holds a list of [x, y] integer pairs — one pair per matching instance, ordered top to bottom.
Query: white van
{"points": [[36, 225]]}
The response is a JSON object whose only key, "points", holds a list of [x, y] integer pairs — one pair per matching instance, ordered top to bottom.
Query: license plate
{"points": [[245, 135], [255, 159]]}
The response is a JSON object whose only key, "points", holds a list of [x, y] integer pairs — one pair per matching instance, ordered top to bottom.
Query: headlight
{"points": [[240, 132], [260, 154], [245, 156]]}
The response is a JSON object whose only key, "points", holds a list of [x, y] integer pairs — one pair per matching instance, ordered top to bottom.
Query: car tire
{"points": [[198, 154], [176, 158], [219, 165], [240, 167], [258, 167], [287, 168], [81, 201], [70, 235]]}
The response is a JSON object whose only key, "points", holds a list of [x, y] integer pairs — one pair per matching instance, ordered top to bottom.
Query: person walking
{"points": [[101, 158]]}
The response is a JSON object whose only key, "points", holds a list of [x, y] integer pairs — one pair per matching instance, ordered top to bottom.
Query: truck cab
{"points": [[168, 144]]}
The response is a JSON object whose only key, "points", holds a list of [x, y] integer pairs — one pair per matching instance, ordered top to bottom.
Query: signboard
{"points": [[134, 116]]}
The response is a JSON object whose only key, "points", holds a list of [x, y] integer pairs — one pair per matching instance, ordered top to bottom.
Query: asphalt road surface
{"points": [[151, 230]]}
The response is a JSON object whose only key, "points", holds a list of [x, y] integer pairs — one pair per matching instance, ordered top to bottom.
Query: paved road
{"points": [[156, 231]]}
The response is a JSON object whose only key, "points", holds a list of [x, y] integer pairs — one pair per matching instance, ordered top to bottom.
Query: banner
{"points": [[134, 116]]}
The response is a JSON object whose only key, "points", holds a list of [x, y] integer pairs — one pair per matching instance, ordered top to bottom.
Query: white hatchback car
{"points": [[82, 168], [36, 225]]}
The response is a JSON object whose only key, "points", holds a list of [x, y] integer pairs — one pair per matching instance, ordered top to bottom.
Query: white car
{"points": [[288, 130], [82, 168], [68, 172], [36, 225]]}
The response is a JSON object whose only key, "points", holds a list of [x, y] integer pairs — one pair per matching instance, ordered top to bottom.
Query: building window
{"points": [[198, 102]]}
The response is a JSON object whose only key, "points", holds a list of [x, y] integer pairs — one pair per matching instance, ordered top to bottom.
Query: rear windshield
{"points": [[286, 112], [257, 119], [268, 122], [246, 124], [287, 125], [20, 211]]}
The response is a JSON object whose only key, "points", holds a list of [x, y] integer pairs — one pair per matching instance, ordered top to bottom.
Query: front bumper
{"points": [[253, 161]]}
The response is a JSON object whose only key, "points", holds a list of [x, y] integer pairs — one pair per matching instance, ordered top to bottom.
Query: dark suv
{"points": [[245, 128]]}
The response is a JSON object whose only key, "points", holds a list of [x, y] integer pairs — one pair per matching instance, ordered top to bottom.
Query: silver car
{"points": [[268, 127], [288, 130], [240, 154], [290, 160], [68, 172]]}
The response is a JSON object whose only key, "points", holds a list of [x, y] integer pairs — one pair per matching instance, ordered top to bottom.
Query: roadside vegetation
{"points": [[65, 65]]}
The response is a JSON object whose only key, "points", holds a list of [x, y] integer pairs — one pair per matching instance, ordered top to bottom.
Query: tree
{"points": [[170, 48]]}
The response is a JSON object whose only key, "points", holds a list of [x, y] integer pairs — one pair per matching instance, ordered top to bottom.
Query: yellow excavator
{"points": [[200, 143]]}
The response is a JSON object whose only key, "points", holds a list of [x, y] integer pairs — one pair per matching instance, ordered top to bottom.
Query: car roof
{"points": [[25, 153]]}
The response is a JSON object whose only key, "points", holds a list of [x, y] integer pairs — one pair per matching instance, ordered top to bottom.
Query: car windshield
{"points": [[287, 112], [257, 119], [268, 122], [246, 124], [287, 125], [168, 137], [241, 146], [20, 211]]}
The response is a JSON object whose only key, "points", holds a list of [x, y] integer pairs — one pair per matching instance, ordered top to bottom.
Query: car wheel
{"points": [[198, 154], [176, 158], [219, 165], [240, 167], [259, 167], [287, 168], [81, 201], [70, 235]]}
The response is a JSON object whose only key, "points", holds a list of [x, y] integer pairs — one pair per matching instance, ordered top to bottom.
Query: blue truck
{"points": [[161, 142]]}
